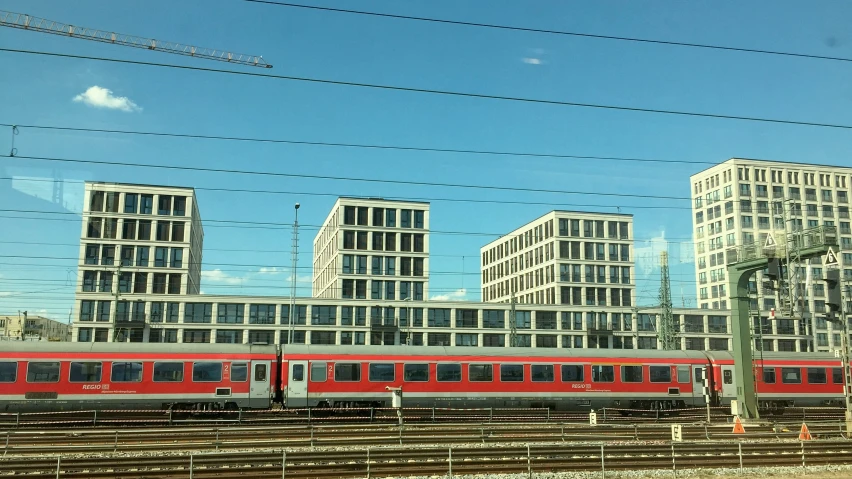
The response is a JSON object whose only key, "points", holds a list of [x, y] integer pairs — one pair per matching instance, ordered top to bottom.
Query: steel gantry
{"points": [[742, 262]]}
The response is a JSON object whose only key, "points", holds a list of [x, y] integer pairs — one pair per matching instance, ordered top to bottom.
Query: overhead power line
{"points": [[553, 32], [449, 93], [196, 136], [343, 178]]}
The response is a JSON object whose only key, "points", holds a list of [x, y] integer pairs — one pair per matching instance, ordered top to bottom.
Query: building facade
{"points": [[742, 201], [136, 241], [373, 249], [564, 257], [247, 319], [24, 327]]}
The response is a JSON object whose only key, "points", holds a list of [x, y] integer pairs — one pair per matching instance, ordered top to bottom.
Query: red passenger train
{"points": [[67, 376]]}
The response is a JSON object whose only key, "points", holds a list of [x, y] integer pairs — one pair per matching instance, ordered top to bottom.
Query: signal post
{"points": [[742, 262]]}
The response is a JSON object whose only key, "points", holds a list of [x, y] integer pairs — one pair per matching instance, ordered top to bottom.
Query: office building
{"points": [[743, 201], [137, 241], [373, 249], [564, 257]]}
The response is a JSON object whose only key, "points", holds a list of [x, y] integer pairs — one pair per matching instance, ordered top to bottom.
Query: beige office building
{"points": [[741, 201], [373, 249], [564, 257]]}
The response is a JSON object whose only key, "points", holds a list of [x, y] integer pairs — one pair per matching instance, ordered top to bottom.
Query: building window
{"points": [[164, 205], [179, 206], [419, 219], [177, 231], [144, 232], [160, 255], [89, 278], [174, 283], [198, 313], [230, 313], [262, 314], [301, 314], [325, 316], [439, 318], [466, 318], [196, 335], [229, 336], [259, 336], [323, 337], [438, 339], [467, 339], [494, 340]]}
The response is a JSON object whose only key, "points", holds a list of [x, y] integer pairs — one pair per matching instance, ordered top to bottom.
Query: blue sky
{"points": [[40, 90]]}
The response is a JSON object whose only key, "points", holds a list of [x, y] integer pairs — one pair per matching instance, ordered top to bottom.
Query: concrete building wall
{"points": [[373, 249], [563, 257]]}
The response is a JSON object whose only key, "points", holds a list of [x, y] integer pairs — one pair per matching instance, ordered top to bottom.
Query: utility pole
{"points": [[294, 260], [117, 282], [513, 326]]}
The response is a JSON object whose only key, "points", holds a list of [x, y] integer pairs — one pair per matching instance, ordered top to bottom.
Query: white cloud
{"points": [[532, 61], [100, 97], [271, 270], [219, 276], [6, 293], [457, 295]]}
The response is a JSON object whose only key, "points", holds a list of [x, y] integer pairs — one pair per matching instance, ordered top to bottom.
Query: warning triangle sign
{"points": [[770, 241], [830, 258], [738, 426], [804, 434]]}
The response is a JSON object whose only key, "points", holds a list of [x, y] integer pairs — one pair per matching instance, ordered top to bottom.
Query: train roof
{"points": [[190, 348], [482, 351]]}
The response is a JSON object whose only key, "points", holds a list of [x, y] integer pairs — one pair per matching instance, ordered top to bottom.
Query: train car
{"points": [[48, 376], [566, 379], [782, 380]]}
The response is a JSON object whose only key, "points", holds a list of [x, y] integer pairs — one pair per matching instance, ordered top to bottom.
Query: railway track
{"points": [[131, 418], [136, 441], [401, 462]]}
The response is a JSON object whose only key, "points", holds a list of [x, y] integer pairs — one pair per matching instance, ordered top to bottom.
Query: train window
{"points": [[8, 372], [43, 372], [85, 372], [168, 372], [206, 372], [239, 372], [260, 372], [298, 372], [347, 372], [382, 372], [415, 372], [449, 372], [480, 372], [511, 372], [126, 373], [319, 373], [542, 373], [572, 373], [603, 374], [631, 374], [660, 374], [683, 374], [699, 375], [769, 375], [791, 375], [836, 375], [728, 376], [816, 376]]}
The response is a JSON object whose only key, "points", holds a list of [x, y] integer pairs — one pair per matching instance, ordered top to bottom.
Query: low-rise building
{"points": [[17, 327]]}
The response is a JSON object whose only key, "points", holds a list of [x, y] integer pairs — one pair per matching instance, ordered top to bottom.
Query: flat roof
{"points": [[786, 163], [139, 184], [373, 198]]}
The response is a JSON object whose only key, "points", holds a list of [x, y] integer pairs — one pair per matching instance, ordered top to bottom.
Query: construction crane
{"points": [[36, 24]]}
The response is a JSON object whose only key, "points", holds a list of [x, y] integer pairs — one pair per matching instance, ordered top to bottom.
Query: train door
{"points": [[698, 381], [297, 384], [729, 389], [259, 396]]}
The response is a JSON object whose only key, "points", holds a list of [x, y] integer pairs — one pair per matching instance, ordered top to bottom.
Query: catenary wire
{"points": [[551, 32], [448, 93], [195, 136], [343, 178], [397, 198]]}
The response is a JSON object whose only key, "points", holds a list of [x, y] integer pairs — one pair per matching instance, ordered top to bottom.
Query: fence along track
{"points": [[99, 441], [439, 461]]}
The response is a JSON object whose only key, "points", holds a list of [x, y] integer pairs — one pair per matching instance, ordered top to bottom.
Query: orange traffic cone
{"points": [[738, 426], [804, 434]]}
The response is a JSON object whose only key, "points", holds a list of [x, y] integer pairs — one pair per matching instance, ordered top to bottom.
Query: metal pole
{"points": [[294, 263], [451, 462], [58, 463], [603, 463], [283, 464], [190, 466], [529, 466]]}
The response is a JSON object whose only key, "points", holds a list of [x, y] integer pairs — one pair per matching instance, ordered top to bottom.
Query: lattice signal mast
{"points": [[41, 25], [667, 336]]}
